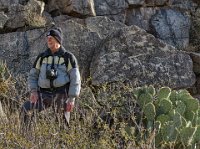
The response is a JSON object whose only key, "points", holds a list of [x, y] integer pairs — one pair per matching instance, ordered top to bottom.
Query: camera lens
{"points": [[51, 74]]}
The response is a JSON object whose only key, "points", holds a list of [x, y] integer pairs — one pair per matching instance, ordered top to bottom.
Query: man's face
{"points": [[51, 42]]}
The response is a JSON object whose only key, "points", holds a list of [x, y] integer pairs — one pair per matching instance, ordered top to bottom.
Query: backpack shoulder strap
{"points": [[42, 56], [41, 59], [66, 59], [70, 60], [37, 62]]}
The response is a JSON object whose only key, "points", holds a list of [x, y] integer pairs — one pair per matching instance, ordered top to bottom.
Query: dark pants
{"points": [[46, 100]]}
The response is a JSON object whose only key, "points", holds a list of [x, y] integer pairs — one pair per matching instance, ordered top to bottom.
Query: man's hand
{"points": [[34, 97], [70, 104]]}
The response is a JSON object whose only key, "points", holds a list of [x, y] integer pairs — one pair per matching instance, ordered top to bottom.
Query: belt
{"points": [[61, 89]]}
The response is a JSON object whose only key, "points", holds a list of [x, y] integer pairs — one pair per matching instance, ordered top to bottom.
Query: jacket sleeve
{"points": [[34, 74], [74, 75]]}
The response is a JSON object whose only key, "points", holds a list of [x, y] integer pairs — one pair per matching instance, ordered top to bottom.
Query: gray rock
{"points": [[135, 2], [156, 2], [160, 2], [7, 3], [188, 5], [35, 6], [109, 7], [74, 8], [34, 10], [197, 13], [17, 15], [29, 15], [120, 17], [140, 17], [61, 18], [3, 19], [48, 19], [103, 25], [172, 27], [195, 30], [82, 42], [21, 48], [133, 55], [196, 62]]}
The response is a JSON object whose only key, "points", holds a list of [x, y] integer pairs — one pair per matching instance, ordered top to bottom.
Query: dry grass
{"points": [[99, 120]]}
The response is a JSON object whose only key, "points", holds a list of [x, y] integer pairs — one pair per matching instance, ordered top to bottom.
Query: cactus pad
{"points": [[151, 90], [164, 92], [144, 98], [164, 106], [180, 107], [149, 111], [163, 119], [169, 132], [187, 135]]}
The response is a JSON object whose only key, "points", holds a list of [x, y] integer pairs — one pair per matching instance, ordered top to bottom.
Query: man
{"points": [[54, 79]]}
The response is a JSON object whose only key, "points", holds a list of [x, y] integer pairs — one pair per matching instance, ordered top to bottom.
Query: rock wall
{"points": [[141, 41]]}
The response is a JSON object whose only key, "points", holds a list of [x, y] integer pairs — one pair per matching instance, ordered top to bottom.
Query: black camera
{"points": [[51, 74]]}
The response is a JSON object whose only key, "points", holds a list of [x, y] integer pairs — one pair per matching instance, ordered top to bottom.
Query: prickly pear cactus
{"points": [[151, 90], [138, 91], [164, 93], [173, 97], [144, 99], [192, 104], [164, 106], [180, 107], [149, 111], [176, 115], [189, 115], [197, 117], [163, 119], [177, 120], [169, 132], [187, 135], [197, 135]]}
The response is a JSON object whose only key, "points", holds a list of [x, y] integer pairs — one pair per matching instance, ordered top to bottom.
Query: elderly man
{"points": [[54, 79]]}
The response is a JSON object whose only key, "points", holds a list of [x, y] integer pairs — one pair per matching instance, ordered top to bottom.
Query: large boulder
{"points": [[6, 3], [188, 5], [109, 7], [78, 8], [113, 9], [17, 15], [29, 15], [120, 17], [140, 17], [103, 26], [171, 26], [195, 30], [82, 42], [21, 48], [131, 54]]}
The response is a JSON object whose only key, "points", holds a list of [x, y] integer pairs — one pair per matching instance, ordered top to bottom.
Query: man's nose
{"points": [[49, 39]]}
